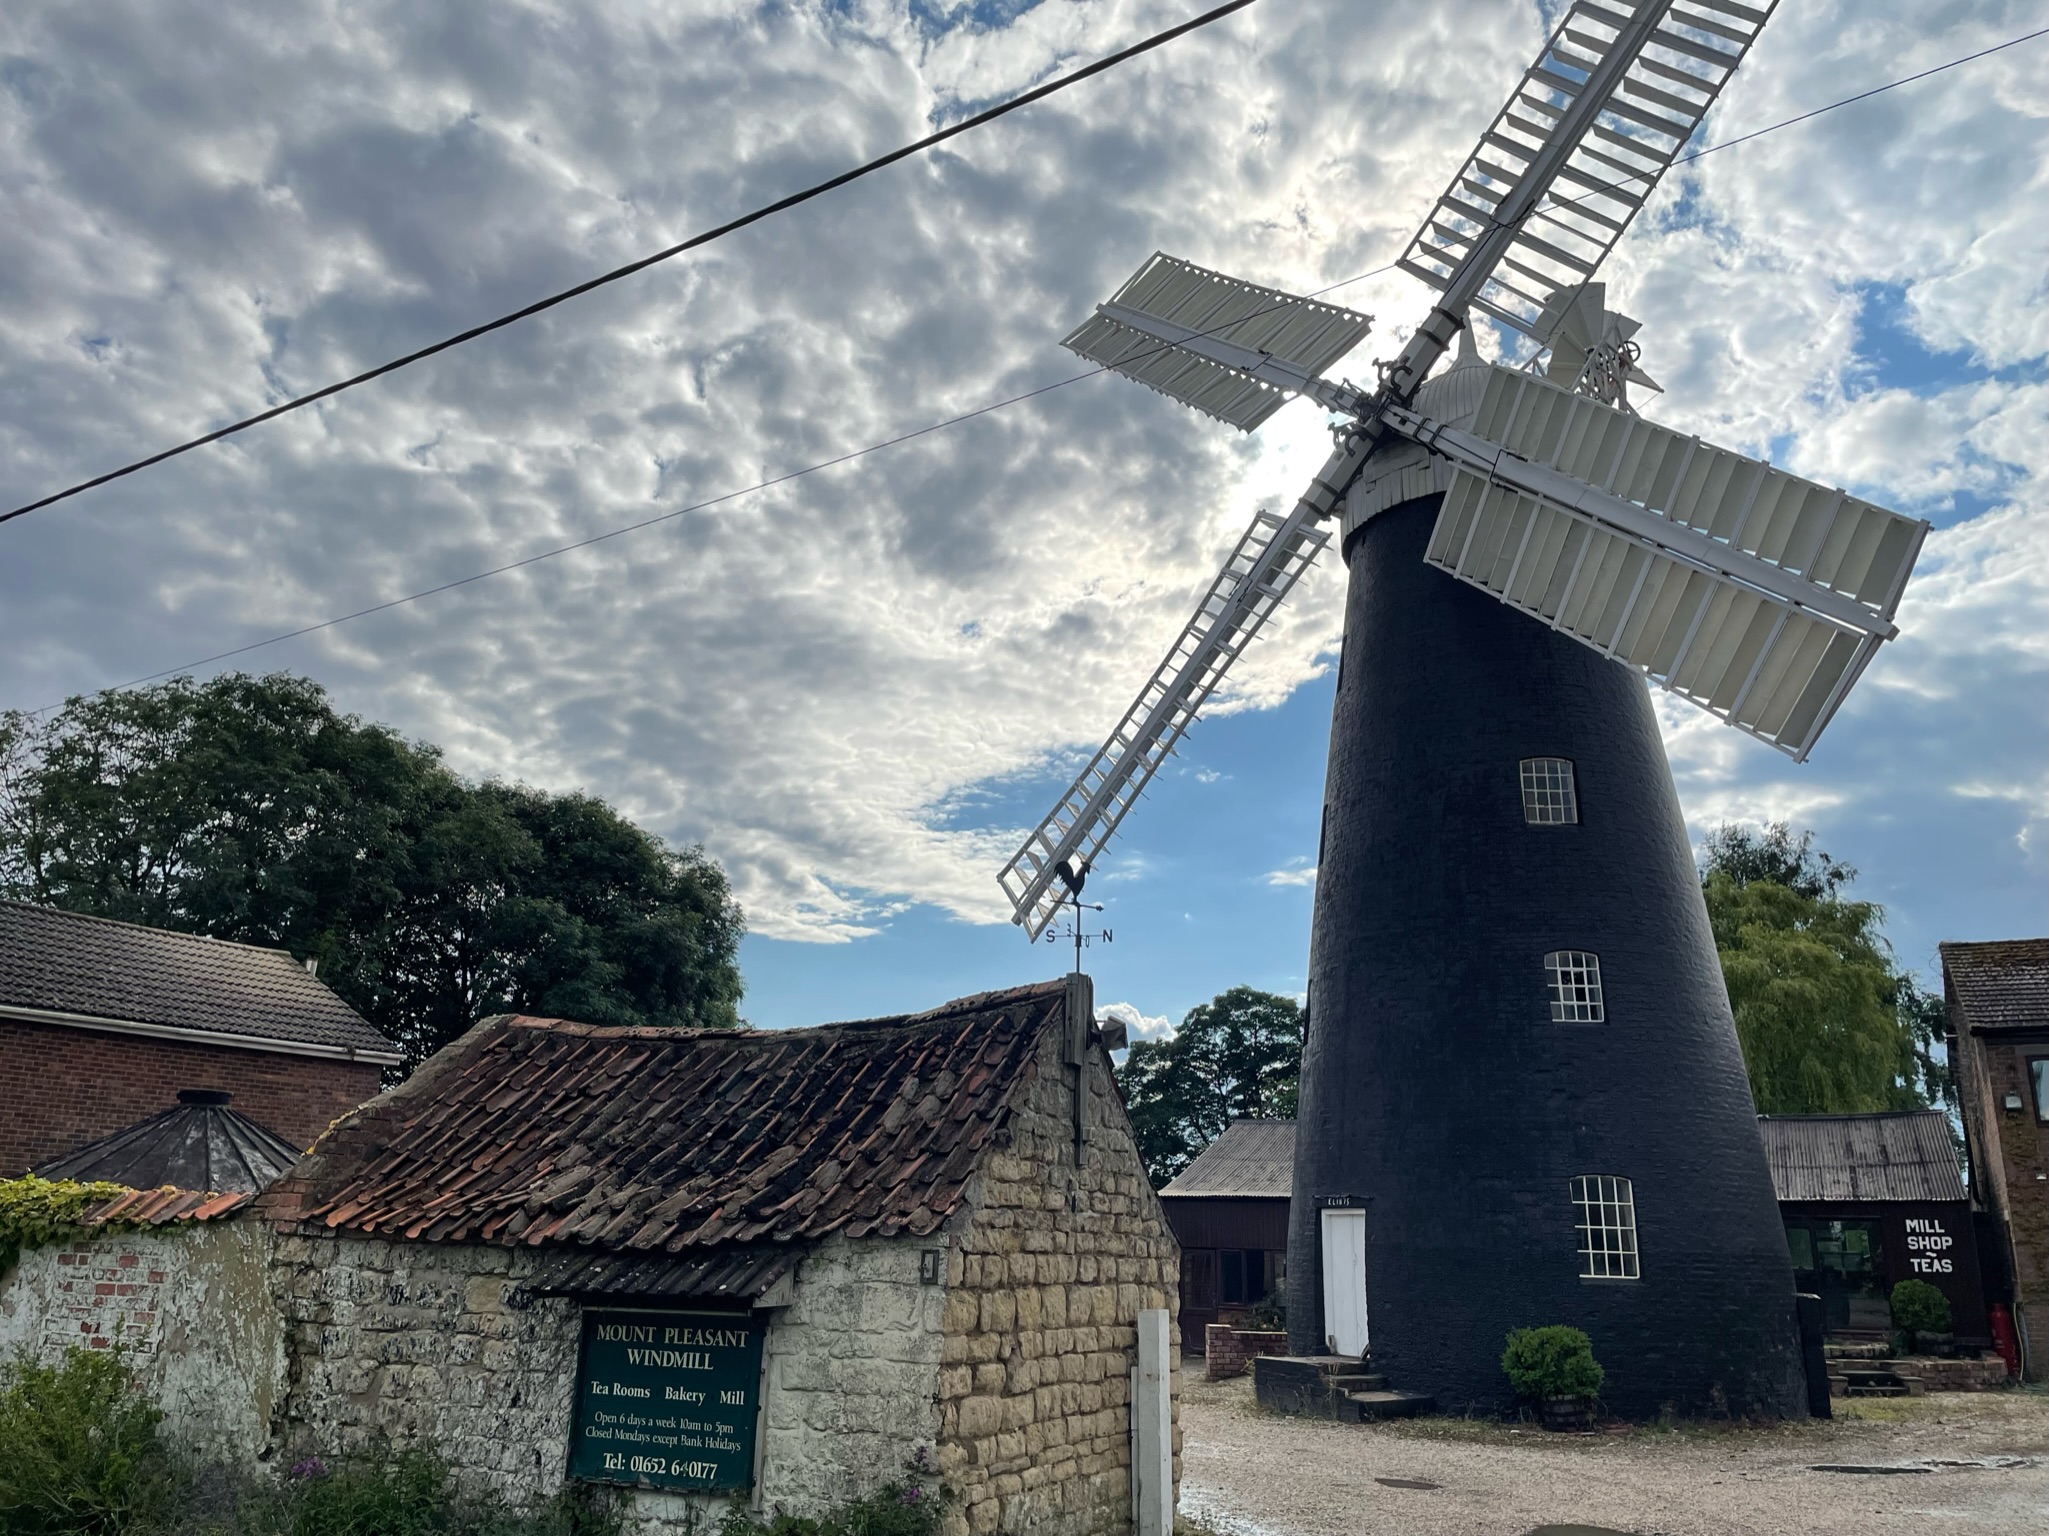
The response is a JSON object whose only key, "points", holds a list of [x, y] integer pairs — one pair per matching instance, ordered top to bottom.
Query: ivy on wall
{"points": [[35, 1212]]}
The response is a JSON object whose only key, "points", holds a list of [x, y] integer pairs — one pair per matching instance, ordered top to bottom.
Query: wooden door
{"points": [[1344, 1281]]}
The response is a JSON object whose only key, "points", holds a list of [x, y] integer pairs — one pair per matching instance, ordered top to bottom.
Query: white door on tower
{"points": [[1344, 1281]]}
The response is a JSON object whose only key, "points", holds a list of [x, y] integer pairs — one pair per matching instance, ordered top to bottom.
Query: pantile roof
{"points": [[93, 968], [2002, 984], [653, 1142], [198, 1143], [1253, 1158], [1856, 1158], [161, 1207]]}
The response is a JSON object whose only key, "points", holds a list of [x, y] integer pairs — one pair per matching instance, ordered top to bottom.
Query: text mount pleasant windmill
{"points": [[1758, 595]]}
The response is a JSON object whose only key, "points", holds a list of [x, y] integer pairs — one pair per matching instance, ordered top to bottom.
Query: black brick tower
{"points": [[1435, 1085]]}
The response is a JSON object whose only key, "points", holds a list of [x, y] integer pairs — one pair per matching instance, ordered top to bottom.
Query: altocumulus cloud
{"points": [[210, 207]]}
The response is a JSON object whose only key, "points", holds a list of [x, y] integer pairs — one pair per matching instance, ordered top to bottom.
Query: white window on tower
{"points": [[1549, 798], [1574, 977], [1604, 1214]]}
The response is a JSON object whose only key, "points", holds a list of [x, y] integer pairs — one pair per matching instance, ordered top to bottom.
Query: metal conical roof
{"points": [[201, 1144]]}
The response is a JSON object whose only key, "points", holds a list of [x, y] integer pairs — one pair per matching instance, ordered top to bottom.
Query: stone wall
{"points": [[73, 1086], [1045, 1283], [190, 1306], [405, 1343], [851, 1365]]}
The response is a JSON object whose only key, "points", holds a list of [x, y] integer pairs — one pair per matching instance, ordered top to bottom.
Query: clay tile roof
{"points": [[95, 968], [2002, 984], [544, 1132], [198, 1143], [1902, 1156], [1252, 1159], [161, 1207]]}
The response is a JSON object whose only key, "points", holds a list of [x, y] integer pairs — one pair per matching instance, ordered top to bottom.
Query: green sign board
{"points": [[667, 1399]]}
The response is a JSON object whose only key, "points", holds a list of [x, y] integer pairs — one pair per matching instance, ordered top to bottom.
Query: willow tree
{"points": [[1828, 1024]]}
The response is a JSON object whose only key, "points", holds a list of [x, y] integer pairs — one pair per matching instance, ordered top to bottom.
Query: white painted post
{"points": [[1152, 1423]]}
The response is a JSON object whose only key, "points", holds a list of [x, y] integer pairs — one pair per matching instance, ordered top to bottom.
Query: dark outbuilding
{"points": [[1869, 1201], [1229, 1211]]}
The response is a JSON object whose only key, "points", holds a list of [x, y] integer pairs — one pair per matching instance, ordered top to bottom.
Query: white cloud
{"points": [[827, 683], [1293, 876], [1137, 1025]]}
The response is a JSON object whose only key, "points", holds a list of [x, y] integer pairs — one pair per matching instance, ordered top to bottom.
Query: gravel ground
{"points": [[1248, 1473]]}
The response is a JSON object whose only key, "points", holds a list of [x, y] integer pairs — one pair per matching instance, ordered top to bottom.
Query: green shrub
{"points": [[36, 1211], [1918, 1307], [1271, 1312], [1552, 1362], [79, 1454], [380, 1493], [913, 1503]]}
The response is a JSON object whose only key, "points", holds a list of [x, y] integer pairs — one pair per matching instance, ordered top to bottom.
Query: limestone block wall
{"points": [[1048, 1273], [189, 1305], [410, 1343], [416, 1343], [851, 1366]]}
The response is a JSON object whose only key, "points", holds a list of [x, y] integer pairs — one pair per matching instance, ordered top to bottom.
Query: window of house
{"points": [[1549, 799], [1574, 977], [2038, 1081], [1604, 1215]]}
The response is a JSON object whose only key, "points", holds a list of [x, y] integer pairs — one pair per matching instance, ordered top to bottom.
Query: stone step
{"points": [[1371, 1381], [1392, 1405]]}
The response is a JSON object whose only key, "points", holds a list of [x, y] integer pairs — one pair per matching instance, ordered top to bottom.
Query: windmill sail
{"points": [[1555, 180], [1229, 348], [1268, 561], [1756, 594]]}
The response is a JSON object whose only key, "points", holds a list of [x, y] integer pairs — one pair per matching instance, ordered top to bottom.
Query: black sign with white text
{"points": [[667, 1399]]}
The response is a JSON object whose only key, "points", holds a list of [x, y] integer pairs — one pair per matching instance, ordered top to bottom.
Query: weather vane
{"points": [[1074, 879]]}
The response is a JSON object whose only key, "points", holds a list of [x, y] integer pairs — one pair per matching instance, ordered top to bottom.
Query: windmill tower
{"points": [[1522, 1097]]}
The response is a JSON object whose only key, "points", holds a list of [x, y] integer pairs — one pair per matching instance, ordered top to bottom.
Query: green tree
{"points": [[249, 809], [1827, 1024], [1236, 1057]]}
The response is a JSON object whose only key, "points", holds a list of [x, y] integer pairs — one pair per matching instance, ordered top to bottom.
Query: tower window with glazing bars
{"points": [[1550, 798], [1574, 979], [1604, 1213]]}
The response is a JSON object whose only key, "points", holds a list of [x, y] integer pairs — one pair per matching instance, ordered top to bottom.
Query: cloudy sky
{"points": [[858, 688]]}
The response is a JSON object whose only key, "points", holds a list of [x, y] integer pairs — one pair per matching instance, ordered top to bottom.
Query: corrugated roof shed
{"points": [[93, 968], [2003, 984], [670, 1142], [199, 1143], [1253, 1158], [1857, 1158]]}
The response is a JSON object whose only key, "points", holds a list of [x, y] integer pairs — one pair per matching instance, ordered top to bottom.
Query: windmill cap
{"points": [[205, 1096]]}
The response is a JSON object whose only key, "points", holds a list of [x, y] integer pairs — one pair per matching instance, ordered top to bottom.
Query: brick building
{"points": [[1998, 997], [103, 1023], [698, 1263]]}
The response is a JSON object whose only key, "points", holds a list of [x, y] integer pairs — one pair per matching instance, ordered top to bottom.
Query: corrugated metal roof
{"points": [[96, 968], [2003, 984], [660, 1141], [199, 1143], [1252, 1158], [1857, 1158]]}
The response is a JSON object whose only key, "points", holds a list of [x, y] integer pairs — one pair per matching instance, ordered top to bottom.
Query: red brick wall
{"points": [[60, 1087], [1230, 1349]]}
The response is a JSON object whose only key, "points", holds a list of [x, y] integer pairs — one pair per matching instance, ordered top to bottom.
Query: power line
{"points": [[1039, 93], [905, 437]]}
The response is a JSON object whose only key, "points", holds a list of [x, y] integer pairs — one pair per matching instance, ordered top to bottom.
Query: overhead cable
{"points": [[1038, 93], [905, 437]]}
